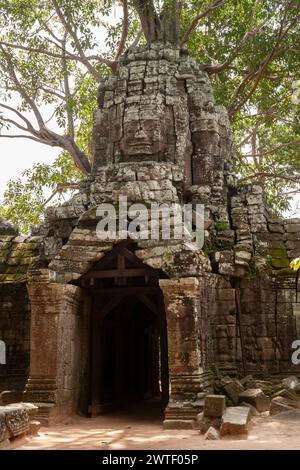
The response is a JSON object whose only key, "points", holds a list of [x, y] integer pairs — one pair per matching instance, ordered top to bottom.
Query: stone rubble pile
{"points": [[229, 412]]}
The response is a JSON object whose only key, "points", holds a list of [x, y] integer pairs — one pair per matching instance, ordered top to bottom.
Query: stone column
{"points": [[182, 304], [53, 343]]}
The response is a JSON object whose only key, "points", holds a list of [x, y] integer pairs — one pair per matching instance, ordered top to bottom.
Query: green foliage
{"points": [[258, 88], [24, 198], [222, 225], [295, 264]]}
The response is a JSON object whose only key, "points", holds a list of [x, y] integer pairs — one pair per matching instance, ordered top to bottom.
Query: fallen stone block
{"points": [[248, 382], [290, 383], [233, 389], [256, 398], [281, 404], [214, 405], [32, 409], [252, 409], [289, 416], [16, 419], [235, 420], [208, 422], [3, 428], [212, 434]]}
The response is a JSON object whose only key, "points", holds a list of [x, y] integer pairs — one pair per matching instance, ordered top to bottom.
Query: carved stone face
{"points": [[151, 110], [144, 130]]}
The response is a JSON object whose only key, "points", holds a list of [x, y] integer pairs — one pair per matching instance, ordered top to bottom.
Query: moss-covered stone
{"points": [[222, 225], [278, 253], [278, 263]]}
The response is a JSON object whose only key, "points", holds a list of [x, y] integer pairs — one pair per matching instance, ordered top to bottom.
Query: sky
{"points": [[16, 155]]}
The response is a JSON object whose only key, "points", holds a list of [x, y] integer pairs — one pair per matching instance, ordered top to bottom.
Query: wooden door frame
{"points": [[127, 266]]}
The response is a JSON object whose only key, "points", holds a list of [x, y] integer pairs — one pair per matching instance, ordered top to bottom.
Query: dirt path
{"points": [[142, 429]]}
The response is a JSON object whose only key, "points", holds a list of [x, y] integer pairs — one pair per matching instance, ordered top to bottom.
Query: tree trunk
{"points": [[150, 20], [170, 20], [78, 156]]}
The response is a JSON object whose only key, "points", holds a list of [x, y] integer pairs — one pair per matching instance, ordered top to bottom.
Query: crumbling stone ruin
{"points": [[113, 321]]}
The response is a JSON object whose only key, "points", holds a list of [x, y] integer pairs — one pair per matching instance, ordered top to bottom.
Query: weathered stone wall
{"points": [[17, 255], [267, 322], [15, 332]]}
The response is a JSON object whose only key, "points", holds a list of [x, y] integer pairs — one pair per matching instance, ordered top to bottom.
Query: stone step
{"points": [[45, 412]]}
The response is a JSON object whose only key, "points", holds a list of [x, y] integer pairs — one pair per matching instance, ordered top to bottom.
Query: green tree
{"points": [[50, 53], [25, 197]]}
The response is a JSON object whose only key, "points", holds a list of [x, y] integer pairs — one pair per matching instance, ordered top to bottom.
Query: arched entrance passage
{"points": [[129, 354]]}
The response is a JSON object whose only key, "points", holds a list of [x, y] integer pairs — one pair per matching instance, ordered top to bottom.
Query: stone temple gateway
{"points": [[91, 325]]}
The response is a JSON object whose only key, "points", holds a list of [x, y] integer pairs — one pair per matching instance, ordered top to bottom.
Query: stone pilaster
{"points": [[182, 304], [54, 325]]}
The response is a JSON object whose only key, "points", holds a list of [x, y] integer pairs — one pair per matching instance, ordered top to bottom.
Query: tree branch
{"points": [[215, 4], [124, 33], [250, 33], [73, 35], [137, 39], [56, 55], [258, 74], [21, 89], [13, 110], [14, 123], [71, 127], [16, 136], [274, 149], [265, 174]]}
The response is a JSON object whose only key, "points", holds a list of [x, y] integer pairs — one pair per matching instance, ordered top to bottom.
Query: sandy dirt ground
{"points": [[140, 427]]}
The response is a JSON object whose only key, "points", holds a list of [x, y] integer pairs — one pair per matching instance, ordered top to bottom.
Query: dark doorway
{"points": [[129, 357]]}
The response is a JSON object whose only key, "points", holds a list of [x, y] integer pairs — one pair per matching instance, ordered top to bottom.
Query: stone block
{"points": [[277, 228], [292, 228], [242, 256], [290, 383], [233, 389], [256, 398], [281, 404], [214, 405], [253, 410], [16, 419], [235, 421], [207, 422], [179, 424], [3, 428], [211, 434]]}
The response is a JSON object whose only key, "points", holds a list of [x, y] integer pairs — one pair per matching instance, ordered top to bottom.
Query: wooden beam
{"points": [[132, 257], [134, 272], [126, 291], [149, 304], [110, 305]]}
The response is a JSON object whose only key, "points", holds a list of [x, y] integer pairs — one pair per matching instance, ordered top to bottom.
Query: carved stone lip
{"points": [[146, 147]]}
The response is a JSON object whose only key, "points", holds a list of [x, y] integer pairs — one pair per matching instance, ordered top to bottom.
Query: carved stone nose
{"points": [[140, 134]]}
